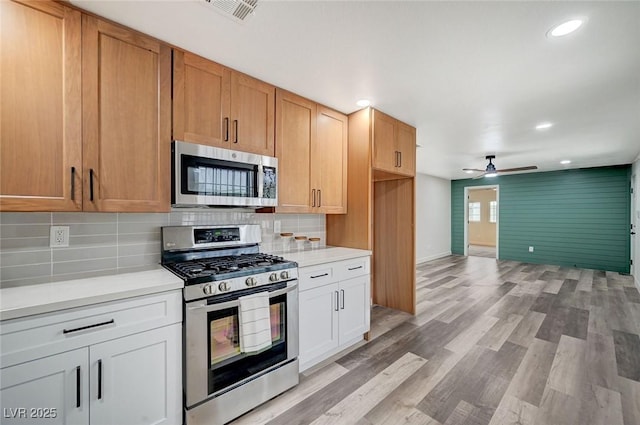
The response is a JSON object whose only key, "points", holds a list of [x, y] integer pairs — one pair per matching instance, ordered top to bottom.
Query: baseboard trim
{"points": [[432, 257]]}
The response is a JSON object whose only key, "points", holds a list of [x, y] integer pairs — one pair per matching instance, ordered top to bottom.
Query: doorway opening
{"points": [[481, 221]]}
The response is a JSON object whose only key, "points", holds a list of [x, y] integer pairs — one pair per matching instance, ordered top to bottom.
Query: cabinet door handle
{"points": [[226, 129], [235, 129], [400, 155], [73, 183], [91, 184], [313, 196], [319, 198], [354, 268], [320, 275], [337, 301], [342, 305], [82, 328], [100, 379], [78, 387]]}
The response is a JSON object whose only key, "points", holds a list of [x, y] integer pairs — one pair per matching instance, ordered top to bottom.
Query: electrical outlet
{"points": [[276, 226], [59, 236], [530, 249]]}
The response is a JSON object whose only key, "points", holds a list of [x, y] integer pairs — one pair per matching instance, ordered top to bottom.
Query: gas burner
{"points": [[212, 270]]}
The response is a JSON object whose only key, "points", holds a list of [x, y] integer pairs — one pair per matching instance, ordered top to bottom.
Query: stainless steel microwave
{"points": [[208, 176]]}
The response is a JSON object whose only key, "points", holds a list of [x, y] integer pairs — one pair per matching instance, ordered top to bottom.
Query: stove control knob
{"points": [[284, 275], [273, 277], [251, 281], [224, 286], [208, 289]]}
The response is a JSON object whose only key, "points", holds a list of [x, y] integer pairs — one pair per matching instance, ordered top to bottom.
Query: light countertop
{"points": [[326, 254], [46, 297]]}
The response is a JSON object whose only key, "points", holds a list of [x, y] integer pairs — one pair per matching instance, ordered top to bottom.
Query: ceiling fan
{"points": [[491, 170]]}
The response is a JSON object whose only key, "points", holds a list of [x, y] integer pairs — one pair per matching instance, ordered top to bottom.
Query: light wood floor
{"points": [[482, 251], [494, 342]]}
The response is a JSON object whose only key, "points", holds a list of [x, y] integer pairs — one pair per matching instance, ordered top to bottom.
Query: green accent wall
{"points": [[574, 218]]}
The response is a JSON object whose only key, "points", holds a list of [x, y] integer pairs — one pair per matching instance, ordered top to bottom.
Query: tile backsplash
{"points": [[109, 243]]}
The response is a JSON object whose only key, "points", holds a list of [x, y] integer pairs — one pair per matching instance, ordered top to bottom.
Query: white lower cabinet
{"points": [[334, 308], [319, 323], [138, 375], [121, 378], [51, 390]]}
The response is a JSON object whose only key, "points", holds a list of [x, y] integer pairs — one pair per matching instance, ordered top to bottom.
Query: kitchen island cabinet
{"points": [[217, 106], [311, 147], [334, 308], [110, 363]]}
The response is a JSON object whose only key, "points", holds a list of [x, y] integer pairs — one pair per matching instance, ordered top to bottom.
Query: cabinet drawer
{"points": [[352, 268], [315, 276], [32, 337]]}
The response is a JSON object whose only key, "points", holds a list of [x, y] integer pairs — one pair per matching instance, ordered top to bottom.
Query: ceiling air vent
{"points": [[238, 10]]}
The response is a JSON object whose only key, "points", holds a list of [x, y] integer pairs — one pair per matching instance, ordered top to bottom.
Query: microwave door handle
{"points": [[260, 181]]}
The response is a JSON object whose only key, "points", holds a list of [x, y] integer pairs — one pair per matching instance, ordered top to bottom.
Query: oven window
{"points": [[218, 178], [227, 365]]}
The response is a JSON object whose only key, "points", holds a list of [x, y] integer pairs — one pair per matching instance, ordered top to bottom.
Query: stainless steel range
{"points": [[222, 268]]}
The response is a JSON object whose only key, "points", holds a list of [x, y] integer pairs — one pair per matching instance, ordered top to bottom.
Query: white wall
{"points": [[433, 217], [636, 254]]}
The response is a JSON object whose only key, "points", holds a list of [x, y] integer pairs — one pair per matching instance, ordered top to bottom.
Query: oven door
{"points": [[205, 175], [213, 361]]}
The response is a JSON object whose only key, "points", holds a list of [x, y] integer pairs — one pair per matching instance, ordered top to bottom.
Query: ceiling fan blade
{"points": [[473, 169], [508, 170], [480, 176]]}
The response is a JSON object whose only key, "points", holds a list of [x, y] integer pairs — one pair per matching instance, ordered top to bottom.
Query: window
{"points": [[474, 211], [493, 211]]}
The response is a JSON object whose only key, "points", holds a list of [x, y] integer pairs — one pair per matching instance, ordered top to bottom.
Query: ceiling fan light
{"points": [[494, 174]]}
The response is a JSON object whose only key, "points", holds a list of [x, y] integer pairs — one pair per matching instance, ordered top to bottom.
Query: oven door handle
{"points": [[202, 307]]}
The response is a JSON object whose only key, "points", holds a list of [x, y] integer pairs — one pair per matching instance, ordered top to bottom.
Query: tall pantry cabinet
{"points": [[381, 205]]}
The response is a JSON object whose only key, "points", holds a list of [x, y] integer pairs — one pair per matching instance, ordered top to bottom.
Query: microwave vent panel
{"points": [[238, 10]]}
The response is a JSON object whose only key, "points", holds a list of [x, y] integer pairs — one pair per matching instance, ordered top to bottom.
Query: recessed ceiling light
{"points": [[565, 28], [363, 103], [544, 126], [565, 162]]}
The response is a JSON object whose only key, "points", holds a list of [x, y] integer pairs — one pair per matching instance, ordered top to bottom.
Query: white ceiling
{"points": [[474, 78]]}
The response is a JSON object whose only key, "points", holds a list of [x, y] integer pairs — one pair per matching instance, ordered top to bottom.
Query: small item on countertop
{"points": [[286, 240], [300, 241], [315, 243]]}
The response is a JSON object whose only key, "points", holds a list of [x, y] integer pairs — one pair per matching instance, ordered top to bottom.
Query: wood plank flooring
{"points": [[493, 342]]}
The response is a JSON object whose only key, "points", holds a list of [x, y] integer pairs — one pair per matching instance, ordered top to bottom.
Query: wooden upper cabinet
{"points": [[201, 100], [216, 106], [40, 107], [126, 107], [252, 115], [295, 134], [394, 145], [406, 145], [311, 146], [385, 154], [329, 161]]}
